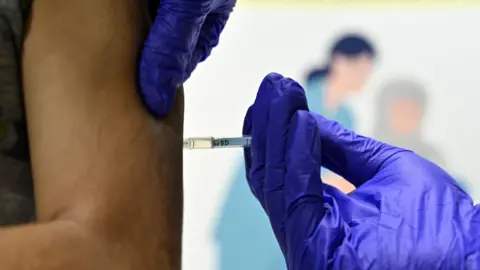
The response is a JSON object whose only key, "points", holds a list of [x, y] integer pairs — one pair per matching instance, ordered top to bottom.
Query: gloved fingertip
{"points": [[272, 77], [294, 86], [268, 90], [287, 97], [158, 101], [159, 106]]}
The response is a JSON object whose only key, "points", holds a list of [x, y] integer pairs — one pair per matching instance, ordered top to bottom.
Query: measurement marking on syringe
{"points": [[221, 142]]}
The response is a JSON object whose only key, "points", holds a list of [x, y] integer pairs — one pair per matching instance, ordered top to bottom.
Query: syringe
{"points": [[211, 142]]}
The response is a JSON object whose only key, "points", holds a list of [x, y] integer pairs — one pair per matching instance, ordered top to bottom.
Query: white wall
{"points": [[440, 47]]}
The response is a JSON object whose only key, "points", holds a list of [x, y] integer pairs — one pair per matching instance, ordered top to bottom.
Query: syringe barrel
{"points": [[211, 142], [232, 142], [198, 143]]}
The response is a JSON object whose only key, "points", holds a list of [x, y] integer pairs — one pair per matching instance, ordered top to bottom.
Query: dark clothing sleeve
{"points": [[16, 187]]}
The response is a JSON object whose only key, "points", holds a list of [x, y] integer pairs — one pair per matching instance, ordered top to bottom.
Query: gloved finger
{"points": [[208, 38], [168, 50], [290, 97], [175, 117], [260, 118], [247, 131], [354, 157], [303, 162], [311, 211]]}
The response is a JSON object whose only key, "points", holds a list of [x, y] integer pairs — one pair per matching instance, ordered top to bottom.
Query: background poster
{"points": [[426, 65]]}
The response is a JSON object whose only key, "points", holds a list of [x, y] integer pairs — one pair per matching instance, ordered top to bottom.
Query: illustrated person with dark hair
{"points": [[348, 67], [402, 104], [244, 235]]}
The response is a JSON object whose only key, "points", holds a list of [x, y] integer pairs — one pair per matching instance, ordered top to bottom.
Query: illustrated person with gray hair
{"points": [[401, 107]]}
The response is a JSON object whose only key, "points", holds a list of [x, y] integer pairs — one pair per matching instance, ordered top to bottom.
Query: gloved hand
{"points": [[183, 34], [406, 212]]}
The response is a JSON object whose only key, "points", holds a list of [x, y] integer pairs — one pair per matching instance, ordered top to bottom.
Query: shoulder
{"points": [[315, 84]]}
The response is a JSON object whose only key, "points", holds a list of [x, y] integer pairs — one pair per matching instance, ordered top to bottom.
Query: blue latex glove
{"points": [[183, 34], [406, 213]]}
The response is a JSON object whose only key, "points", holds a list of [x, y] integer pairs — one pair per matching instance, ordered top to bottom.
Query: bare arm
{"points": [[108, 178]]}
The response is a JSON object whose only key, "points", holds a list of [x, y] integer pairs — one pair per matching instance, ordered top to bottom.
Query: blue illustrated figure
{"points": [[244, 234]]}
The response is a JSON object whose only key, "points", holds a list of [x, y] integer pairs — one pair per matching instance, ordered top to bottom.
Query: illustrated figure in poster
{"points": [[350, 63], [401, 108], [245, 238]]}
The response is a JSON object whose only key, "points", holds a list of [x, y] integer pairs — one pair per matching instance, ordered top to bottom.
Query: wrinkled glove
{"points": [[183, 34], [406, 212]]}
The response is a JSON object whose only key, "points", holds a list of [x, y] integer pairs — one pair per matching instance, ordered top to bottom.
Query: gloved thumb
{"points": [[354, 157]]}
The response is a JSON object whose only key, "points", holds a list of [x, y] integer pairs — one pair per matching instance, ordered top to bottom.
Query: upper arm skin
{"points": [[99, 160]]}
